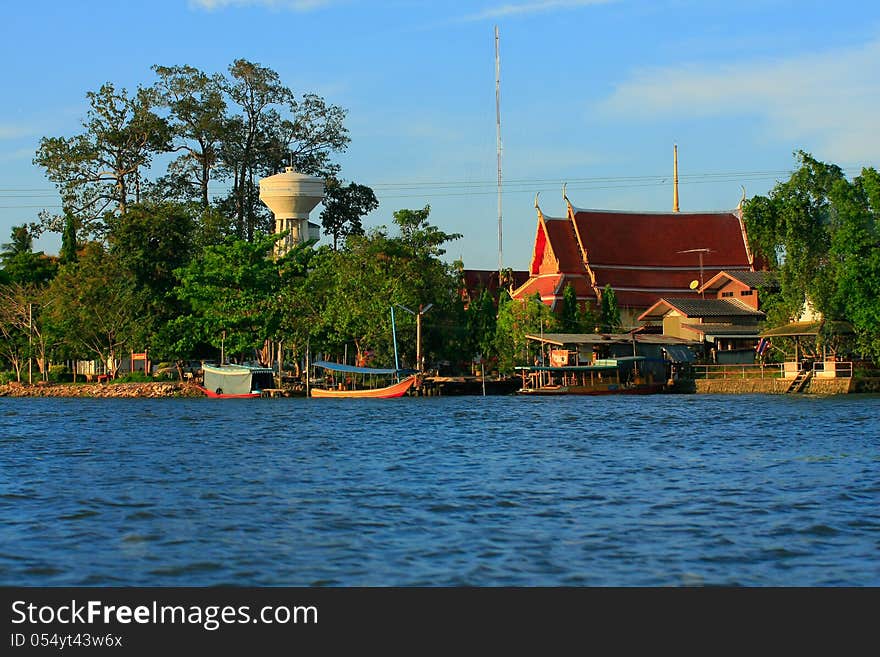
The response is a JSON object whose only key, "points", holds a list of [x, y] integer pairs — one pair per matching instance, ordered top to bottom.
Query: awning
{"points": [[679, 353], [351, 369]]}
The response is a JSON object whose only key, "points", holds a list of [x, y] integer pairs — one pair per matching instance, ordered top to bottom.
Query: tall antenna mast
{"points": [[498, 139], [675, 177]]}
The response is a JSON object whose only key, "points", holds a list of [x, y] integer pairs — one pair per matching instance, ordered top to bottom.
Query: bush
{"points": [[59, 373], [7, 377], [134, 377]]}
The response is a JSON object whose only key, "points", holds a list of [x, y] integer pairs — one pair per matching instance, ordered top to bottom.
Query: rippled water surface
{"points": [[485, 491]]}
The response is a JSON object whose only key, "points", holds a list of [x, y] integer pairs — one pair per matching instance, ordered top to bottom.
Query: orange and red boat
{"points": [[349, 381]]}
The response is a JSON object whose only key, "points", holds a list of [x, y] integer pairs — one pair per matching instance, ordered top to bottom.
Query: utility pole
{"points": [[498, 147], [422, 311], [30, 342], [419, 366]]}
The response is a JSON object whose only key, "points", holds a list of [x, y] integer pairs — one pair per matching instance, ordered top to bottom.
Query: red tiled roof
{"points": [[656, 238], [639, 253], [545, 285]]}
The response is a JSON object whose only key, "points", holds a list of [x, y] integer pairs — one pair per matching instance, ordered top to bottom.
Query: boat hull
{"points": [[595, 391], [388, 392], [214, 395]]}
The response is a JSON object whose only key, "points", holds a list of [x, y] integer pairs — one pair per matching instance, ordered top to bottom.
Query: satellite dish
{"points": [[694, 284]]}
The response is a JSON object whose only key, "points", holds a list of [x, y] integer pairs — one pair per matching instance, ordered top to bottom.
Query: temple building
{"points": [[643, 256]]}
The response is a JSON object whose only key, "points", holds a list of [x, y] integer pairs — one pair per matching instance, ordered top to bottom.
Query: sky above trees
{"points": [[593, 94]]}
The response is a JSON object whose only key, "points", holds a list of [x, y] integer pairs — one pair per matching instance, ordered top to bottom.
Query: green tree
{"points": [[198, 122], [273, 129], [99, 170], [344, 206], [792, 229], [151, 241], [69, 245], [855, 256], [21, 264], [355, 287], [232, 289], [96, 308], [609, 317], [569, 318], [516, 319], [482, 320]]}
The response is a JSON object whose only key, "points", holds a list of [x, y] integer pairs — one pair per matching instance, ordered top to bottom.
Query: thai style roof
{"points": [[643, 256], [477, 279], [700, 308]]}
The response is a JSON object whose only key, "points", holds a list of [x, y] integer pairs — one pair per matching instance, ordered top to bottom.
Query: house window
{"points": [[746, 293], [727, 294]]}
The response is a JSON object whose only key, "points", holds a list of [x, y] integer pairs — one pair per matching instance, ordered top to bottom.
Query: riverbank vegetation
{"points": [[821, 232], [166, 248]]}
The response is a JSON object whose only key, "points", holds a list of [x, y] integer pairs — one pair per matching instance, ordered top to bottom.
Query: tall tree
{"points": [[197, 119], [273, 129], [99, 170], [344, 207], [792, 227], [68, 252], [21, 264], [232, 290], [96, 306], [569, 317], [609, 317], [482, 319], [516, 319]]}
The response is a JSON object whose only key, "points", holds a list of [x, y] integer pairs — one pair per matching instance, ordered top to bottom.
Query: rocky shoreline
{"points": [[156, 390]]}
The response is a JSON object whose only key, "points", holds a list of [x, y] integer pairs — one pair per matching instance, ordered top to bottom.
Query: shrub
{"points": [[59, 373], [134, 377]]}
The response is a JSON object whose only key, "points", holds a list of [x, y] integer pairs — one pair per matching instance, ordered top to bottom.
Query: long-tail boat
{"points": [[362, 382]]}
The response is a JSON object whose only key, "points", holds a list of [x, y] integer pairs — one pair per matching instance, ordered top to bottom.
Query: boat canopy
{"points": [[600, 365], [567, 368], [352, 369], [237, 379]]}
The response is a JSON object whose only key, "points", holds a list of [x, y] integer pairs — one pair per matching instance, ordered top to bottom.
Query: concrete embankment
{"points": [[780, 386], [116, 390]]}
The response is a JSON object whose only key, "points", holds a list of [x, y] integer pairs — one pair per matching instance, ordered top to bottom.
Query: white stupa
{"points": [[291, 196]]}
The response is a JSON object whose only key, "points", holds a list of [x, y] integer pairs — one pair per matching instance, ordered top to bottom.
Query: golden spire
{"points": [[675, 178]]}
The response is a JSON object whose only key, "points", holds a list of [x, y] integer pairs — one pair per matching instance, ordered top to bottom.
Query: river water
{"points": [[665, 490]]}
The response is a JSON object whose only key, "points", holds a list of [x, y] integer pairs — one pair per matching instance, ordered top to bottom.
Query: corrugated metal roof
{"points": [[755, 279], [713, 308], [724, 330], [562, 339]]}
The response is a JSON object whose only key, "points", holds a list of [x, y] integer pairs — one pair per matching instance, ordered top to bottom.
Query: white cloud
{"points": [[295, 5], [520, 8], [829, 98], [16, 131]]}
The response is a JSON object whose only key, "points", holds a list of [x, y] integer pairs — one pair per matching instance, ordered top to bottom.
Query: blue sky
{"points": [[594, 93]]}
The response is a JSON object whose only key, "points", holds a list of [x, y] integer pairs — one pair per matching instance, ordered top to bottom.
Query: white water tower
{"points": [[291, 196]]}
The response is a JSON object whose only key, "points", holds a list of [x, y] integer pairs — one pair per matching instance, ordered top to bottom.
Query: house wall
{"points": [[739, 291], [672, 326]]}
